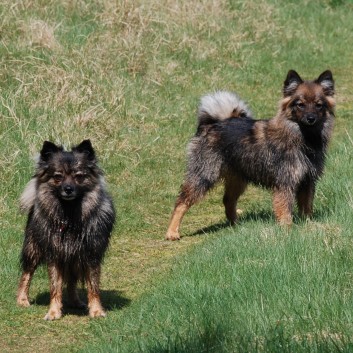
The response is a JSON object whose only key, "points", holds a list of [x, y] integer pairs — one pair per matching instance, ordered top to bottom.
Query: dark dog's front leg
{"points": [[30, 259], [56, 283], [23, 288], [94, 301]]}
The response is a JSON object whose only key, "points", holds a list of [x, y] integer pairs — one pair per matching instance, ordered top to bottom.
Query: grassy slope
{"points": [[129, 76]]}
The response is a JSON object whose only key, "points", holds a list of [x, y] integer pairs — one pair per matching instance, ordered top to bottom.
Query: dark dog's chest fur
{"points": [[270, 155], [64, 233]]}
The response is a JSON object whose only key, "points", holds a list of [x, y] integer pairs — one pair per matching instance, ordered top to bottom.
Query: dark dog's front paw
{"points": [[23, 301], [52, 314]]}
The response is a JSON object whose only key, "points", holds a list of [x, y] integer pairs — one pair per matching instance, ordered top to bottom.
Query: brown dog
{"points": [[285, 153]]}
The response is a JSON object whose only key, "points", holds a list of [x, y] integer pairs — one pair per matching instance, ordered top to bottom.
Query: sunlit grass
{"points": [[128, 75]]}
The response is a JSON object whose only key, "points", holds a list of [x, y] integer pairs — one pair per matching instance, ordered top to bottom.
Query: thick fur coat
{"points": [[286, 153], [70, 219]]}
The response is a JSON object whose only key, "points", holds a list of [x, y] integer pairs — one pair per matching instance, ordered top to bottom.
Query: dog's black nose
{"points": [[310, 119], [68, 189]]}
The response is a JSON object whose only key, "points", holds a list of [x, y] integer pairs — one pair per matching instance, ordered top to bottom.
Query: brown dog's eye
{"points": [[318, 106], [58, 178]]}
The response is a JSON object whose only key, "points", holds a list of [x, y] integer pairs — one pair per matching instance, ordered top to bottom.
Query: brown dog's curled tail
{"points": [[221, 105]]}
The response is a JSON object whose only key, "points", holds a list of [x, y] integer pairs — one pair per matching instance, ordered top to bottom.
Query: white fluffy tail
{"points": [[221, 105], [28, 196]]}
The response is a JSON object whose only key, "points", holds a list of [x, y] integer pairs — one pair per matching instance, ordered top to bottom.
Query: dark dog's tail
{"points": [[221, 105], [28, 196]]}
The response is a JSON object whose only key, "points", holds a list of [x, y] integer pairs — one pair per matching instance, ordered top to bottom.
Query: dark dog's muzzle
{"points": [[309, 119], [68, 192]]}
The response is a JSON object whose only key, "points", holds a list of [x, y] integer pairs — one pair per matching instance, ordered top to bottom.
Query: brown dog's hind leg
{"points": [[234, 186], [191, 192], [177, 216]]}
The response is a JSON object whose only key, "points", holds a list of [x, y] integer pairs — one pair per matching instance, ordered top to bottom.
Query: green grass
{"points": [[128, 75]]}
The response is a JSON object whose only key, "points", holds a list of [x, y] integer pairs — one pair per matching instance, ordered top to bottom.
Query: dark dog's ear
{"points": [[291, 83], [327, 83], [86, 147], [48, 149]]}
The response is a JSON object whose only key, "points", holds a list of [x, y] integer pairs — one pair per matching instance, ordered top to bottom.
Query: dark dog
{"points": [[285, 154], [70, 219]]}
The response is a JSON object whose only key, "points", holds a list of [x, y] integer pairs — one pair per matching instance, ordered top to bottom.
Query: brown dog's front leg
{"points": [[305, 199], [283, 201]]}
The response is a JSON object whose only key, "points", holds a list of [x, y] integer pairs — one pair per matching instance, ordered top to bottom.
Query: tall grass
{"points": [[128, 75], [254, 287]]}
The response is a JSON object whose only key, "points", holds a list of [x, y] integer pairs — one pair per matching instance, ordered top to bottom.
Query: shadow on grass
{"points": [[262, 215], [111, 300]]}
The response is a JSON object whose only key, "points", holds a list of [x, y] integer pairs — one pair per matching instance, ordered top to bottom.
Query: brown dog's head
{"points": [[309, 103]]}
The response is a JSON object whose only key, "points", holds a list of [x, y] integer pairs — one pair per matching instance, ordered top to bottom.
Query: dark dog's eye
{"points": [[300, 105], [242, 114], [79, 177], [58, 178]]}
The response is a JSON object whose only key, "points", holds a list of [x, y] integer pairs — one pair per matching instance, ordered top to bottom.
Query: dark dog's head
{"points": [[309, 103], [68, 175]]}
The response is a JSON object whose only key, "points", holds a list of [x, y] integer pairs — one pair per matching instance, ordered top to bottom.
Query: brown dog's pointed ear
{"points": [[327, 82], [291, 83], [86, 147], [48, 149]]}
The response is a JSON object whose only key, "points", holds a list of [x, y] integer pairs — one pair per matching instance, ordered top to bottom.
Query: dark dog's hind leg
{"points": [[234, 186]]}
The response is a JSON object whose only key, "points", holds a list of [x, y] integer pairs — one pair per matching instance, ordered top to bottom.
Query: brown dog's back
{"points": [[286, 153]]}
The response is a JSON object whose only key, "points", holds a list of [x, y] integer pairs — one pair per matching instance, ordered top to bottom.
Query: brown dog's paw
{"points": [[172, 235]]}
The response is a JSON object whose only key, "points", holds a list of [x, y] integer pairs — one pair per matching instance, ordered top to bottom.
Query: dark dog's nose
{"points": [[310, 119], [68, 189]]}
